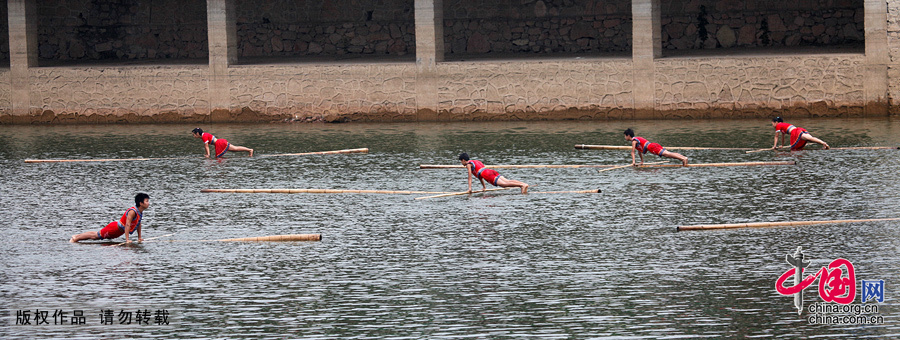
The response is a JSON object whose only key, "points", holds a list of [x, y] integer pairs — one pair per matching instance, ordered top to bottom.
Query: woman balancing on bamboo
{"points": [[799, 135], [222, 145], [642, 145], [477, 169]]}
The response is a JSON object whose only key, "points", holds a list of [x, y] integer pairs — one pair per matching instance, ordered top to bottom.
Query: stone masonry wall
{"points": [[710, 24], [542, 26], [345, 27], [122, 29], [893, 31], [726, 87], [5, 88], [536, 90], [382, 91], [110, 94]]}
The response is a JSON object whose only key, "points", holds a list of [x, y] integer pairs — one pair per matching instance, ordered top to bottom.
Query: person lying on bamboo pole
{"points": [[799, 135], [222, 145], [642, 145], [477, 169], [130, 220]]}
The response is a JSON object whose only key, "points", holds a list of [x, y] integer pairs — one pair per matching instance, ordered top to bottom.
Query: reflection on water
{"points": [[497, 265]]}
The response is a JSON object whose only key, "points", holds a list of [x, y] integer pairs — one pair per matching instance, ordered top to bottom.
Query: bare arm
{"points": [[206, 145], [775, 146], [633, 147], [469, 176], [128, 217], [140, 238]]}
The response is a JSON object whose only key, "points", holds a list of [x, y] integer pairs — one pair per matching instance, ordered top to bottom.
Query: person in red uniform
{"points": [[799, 135], [221, 144], [642, 145], [477, 169], [130, 221]]}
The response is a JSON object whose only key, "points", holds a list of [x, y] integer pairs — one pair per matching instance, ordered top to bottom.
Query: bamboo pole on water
{"points": [[624, 147], [839, 148], [360, 150], [95, 160], [646, 165], [700, 165], [520, 166], [625, 166], [615, 167], [320, 191], [592, 191], [461, 193], [774, 224], [273, 238], [277, 238], [149, 239]]}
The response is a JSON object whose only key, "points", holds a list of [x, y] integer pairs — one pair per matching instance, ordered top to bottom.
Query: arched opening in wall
{"points": [[734, 27], [506, 29], [284, 31], [122, 32], [4, 36]]}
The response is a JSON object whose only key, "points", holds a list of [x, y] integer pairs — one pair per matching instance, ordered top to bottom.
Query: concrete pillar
{"points": [[222, 30], [646, 47], [429, 51], [23, 55], [877, 58]]}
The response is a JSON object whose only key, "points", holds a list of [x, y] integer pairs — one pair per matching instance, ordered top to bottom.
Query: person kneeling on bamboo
{"points": [[642, 145], [477, 169], [130, 220]]}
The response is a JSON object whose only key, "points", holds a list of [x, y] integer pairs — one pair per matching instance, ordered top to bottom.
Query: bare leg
{"points": [[810, 138], [233, 147], [678, 156], [509, 183], [90, 235]]}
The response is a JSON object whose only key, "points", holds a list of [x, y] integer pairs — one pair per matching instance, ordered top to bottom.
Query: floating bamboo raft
{"points": [[628, 147], [646, 165], [320, 191], [773, 224]]}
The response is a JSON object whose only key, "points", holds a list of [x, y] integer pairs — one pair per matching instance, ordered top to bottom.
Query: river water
{"points": [[494, 265]]}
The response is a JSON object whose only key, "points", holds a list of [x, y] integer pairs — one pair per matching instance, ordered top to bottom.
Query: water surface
{"points": [[495, 265]]}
